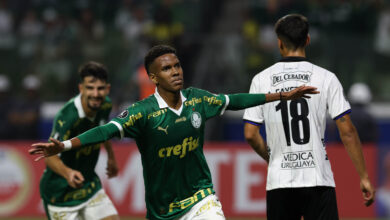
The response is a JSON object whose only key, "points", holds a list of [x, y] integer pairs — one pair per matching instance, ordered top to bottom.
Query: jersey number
{"points": [[297, 117]]}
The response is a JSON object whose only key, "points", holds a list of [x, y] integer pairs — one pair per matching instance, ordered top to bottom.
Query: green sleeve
{"points": [[245, 100], [98, 134]]}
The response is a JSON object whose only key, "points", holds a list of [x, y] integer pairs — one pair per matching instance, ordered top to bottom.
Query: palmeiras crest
{"points": [[196, 119]]}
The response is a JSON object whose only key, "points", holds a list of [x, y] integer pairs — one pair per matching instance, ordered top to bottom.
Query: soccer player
{"points": [[168, 128], [300, 180], [70, 188]]}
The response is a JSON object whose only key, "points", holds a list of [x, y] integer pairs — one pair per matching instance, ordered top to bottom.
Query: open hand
{"points": [[302, 91], [46, 149]]}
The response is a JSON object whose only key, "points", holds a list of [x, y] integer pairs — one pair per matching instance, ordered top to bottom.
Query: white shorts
{"points": [[97, 207], [208, 209]]}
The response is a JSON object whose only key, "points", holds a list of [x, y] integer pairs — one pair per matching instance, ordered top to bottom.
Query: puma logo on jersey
{"points": [[61, 123], [163, 129]]}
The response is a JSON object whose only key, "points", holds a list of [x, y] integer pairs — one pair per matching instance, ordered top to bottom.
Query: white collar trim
{"points": [[162, 104]]}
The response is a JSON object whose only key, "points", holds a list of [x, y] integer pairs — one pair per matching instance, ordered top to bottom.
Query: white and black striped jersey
{"points": [[295, 129]]}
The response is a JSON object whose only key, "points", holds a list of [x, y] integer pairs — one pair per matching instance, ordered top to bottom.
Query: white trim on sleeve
{"points": [[226, 104], [120, 128]]}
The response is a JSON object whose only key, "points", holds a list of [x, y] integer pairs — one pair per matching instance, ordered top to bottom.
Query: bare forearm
{"points": [[274, 96], [255, 140], [107, 145], [353, 147], [260, 148], [57, 166]]}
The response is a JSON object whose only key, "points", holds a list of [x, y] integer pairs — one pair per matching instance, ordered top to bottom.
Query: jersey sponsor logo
{"points": [[290, 76], [212, 100], [193, 101], [157, 113], [124, 114], [181, 119], [196, 119], [132, 120], [61, 123], [165, 130], [188, 144], [87, 150], [298, 160], [16, 177], [80, 194], [201, 194]]}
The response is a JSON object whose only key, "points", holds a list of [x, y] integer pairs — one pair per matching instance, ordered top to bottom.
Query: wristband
{"points": [[67, 145]]}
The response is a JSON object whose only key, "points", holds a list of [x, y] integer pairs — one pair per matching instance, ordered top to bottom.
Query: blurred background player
{"points": [[360, 97], [24, 112], [168, 127], [300, 181], [69, 187]]}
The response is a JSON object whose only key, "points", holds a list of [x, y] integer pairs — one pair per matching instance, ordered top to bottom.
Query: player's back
{"points": [[295, 129]]}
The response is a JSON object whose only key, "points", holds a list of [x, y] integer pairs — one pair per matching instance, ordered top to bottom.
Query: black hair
{"points": [[292, 30], [155, 52], [95, 69]]}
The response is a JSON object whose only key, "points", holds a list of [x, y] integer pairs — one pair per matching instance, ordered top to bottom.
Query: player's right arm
{"points": [[126, 124], [93, 136], [254, 139], [350, 139]]}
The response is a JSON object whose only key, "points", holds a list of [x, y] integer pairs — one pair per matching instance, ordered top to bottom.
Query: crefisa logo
{"points": [[15, 182]]}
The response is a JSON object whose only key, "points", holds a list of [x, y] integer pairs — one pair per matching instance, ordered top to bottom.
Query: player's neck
{"points": [[295, 53], [173, 99]]}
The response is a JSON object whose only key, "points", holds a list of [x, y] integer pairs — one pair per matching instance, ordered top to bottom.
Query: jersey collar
{"points": [[293, 59], [163, 104], [79, 107]]}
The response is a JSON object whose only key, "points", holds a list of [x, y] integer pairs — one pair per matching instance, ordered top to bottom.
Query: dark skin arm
{"points": [[351, 141]]}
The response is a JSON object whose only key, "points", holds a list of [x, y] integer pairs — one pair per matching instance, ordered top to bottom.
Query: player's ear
{"points": [[307, 40], [280, 44], [153, 77], [80, 87], [108, 88]]}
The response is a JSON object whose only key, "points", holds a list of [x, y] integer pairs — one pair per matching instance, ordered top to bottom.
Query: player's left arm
{"points": [[246, 100], [351, 141], [112, 167]]}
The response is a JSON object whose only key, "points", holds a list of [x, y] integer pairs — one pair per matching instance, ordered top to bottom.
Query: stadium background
{"points": [[222, 45]]}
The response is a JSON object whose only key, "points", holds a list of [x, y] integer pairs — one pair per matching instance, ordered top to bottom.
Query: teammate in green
{"points": [[168, 128], [69, 187]]}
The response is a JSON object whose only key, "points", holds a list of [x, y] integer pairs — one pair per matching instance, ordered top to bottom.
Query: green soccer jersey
{"points": [[69, 122], [170, 141]]}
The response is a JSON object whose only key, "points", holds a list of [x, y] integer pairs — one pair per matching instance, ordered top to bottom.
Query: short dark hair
{"points": [[292, 30], [155, 52], [95, 69]]}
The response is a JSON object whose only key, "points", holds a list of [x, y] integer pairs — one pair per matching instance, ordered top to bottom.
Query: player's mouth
{"points": [[178, 81], [95, 101]]}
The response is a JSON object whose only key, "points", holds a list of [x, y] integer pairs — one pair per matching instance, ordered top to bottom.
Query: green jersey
{"points": [[69, 122], [170, 141]]}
